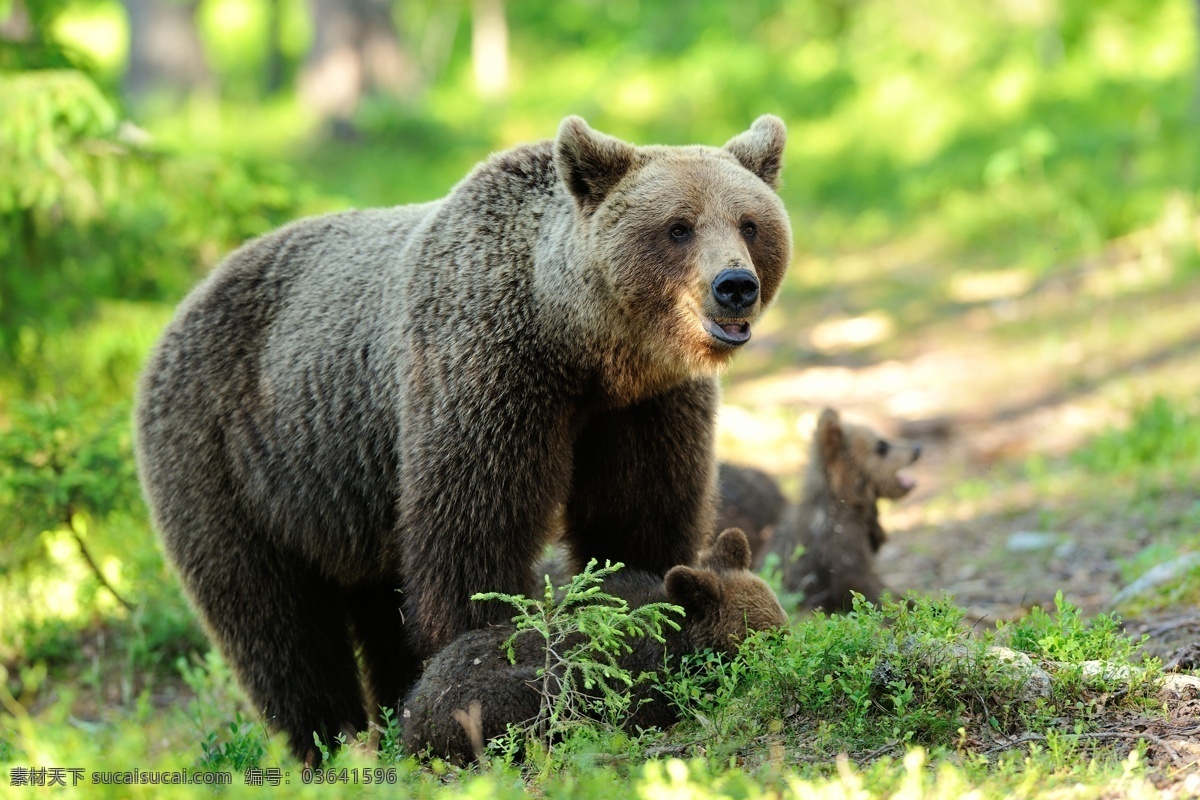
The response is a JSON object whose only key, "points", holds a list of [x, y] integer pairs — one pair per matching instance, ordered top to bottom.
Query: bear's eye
{"points": [[749, 229], [680, 232], [882, 447]]}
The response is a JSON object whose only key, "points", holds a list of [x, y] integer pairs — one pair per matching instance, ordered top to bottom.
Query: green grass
{"points": [[1163, 435], [901, 679]]}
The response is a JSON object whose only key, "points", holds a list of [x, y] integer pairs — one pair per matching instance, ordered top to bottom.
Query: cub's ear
{"points": [[760, 149], [589, 163], [830, 439], [731, 550], [697, 591]]}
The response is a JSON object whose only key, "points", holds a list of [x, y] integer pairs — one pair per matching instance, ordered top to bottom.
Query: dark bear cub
{"points": [[749, 499], [837, 521], [721, 598]]}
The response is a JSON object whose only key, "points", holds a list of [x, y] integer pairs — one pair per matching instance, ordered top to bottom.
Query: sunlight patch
{"points": [[98, 30], [1012, 88], [638, 98], [1150, 269], [981, 287], [853, 332], [739, 423], [774, 438], [56, 594]]}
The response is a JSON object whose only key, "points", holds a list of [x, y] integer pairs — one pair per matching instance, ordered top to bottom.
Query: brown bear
{"points": [[360, 419], [750, 499], [837, 522], [721, 599]]}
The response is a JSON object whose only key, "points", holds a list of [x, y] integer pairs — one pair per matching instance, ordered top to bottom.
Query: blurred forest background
{"points": [[994, 203]]}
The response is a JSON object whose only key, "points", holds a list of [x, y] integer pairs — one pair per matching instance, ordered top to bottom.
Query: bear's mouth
{"points": [[734, 333], [906, 482]]}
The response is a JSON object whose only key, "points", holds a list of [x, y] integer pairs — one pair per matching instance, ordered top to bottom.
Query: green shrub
{"points": [[63, 465], [585, 630], [1064, 636], [902, 672], [234, 744]]}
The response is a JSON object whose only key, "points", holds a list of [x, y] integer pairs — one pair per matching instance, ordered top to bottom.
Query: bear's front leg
{"points": [[480, 482], [643, 483]]}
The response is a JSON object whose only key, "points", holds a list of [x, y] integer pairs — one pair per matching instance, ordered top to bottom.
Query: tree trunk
{"points": [[17, 26], [489, 47], [356, 50], [165, 52], [1196, 65], [273, 80]]}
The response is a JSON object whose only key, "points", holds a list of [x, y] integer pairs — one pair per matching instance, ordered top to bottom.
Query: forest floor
{"points": [[1001, 382]]}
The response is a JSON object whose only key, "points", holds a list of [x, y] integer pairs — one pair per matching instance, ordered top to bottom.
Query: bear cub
{"points": [[750, 499], [837, 520], [721, 598]]}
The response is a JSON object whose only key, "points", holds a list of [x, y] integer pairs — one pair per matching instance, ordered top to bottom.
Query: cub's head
{"points": [[692, 242], [859, 465], [722, 598]]}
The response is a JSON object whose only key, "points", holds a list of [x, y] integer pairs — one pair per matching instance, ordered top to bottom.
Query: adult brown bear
{"points": [[404, 399]]}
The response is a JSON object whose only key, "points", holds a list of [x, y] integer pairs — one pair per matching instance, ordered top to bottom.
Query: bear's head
{"points": [[692, 243], [859, 465], [721, 598]]}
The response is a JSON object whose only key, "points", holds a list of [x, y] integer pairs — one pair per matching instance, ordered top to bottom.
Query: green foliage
{"points": [[1013, 132], [56, 135], [88, 211], [1163, 434], [60, 464], [70, 504], [772, 572], [162, 631], [582, 632], [1064, 636], [48, 642], [1096, 655], [903, 672], [866, 676], [391, 735], [234, 744], [243, 748]]}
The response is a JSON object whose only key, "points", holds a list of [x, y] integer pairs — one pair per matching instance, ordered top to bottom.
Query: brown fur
{"points": [[402, 399], [749, 499], [837, 522], [721, 598]]}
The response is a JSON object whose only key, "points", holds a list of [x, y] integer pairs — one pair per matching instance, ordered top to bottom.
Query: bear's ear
{"points": [[760, 149], [589, 163], [830, 439], [730, 551], [697, 591]]}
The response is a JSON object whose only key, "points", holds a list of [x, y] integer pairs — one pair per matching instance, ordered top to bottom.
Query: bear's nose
{"points": [[735, 289]]}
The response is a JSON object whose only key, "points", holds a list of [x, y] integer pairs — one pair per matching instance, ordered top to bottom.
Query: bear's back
{"points": [[280, 376], [267, 381]]}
